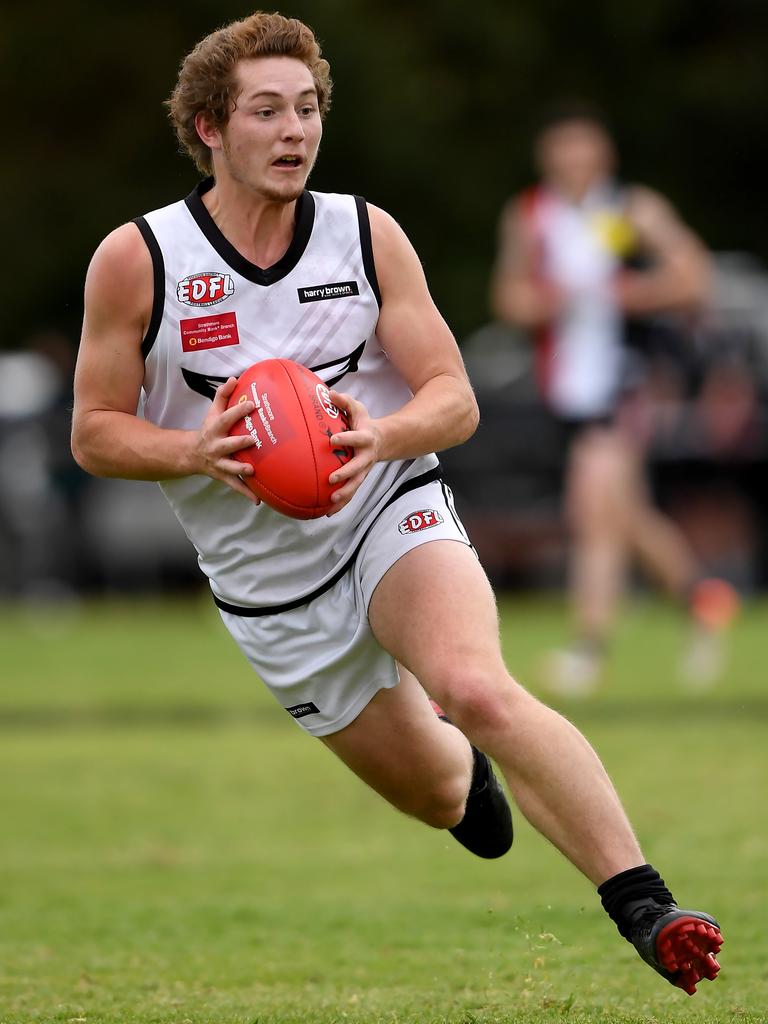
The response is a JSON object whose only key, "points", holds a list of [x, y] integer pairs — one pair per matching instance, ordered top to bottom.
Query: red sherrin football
{"points": [[292, 426]]}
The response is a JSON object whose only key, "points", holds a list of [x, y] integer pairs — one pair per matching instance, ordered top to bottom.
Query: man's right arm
{"points": [[518, 295], [108, 438]]}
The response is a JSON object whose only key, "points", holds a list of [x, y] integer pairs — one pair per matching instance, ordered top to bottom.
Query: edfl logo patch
{"points": [[205, 289], [421, 520]]}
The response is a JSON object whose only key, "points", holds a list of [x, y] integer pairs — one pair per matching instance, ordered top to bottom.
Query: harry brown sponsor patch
{"points": [[337, 290], [302, 710]]}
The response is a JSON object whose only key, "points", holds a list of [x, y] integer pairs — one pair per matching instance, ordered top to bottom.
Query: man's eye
{"points": [[308, 111], [264, 114]]}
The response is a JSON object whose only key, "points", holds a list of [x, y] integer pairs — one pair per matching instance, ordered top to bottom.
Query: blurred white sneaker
{"points": [[714, 604], [703, 662], [572, 671]]}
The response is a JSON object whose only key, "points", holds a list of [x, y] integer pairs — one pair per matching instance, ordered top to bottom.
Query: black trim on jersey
{"points": [[305, 219], [367, 246], [158, 281], [345, 365], [206, 384], [410, 485]]}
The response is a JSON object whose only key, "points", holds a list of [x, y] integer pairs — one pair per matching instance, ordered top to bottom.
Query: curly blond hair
{"points": [[207, 80]]}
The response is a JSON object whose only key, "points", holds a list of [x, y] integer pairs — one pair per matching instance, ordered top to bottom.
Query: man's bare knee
{"points": [[483, 705]]}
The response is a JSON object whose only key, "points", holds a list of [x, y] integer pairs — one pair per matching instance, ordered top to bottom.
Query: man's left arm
{"points": [[680, 276], [443, 411]]}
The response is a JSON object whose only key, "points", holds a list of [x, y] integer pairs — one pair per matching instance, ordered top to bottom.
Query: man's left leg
{"points": [[435, 612]]}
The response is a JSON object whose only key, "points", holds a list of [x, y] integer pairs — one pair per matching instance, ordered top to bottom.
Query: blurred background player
{"points": [[586, 265]]}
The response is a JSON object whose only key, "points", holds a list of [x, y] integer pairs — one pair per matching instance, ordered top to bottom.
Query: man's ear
{"points": [[208, 132]]}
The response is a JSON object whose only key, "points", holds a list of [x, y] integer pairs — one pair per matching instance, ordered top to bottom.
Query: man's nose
{"points": [[292, 126]]}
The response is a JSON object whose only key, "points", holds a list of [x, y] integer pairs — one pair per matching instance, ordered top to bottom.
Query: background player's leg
{"points": [[597, 510], [612, 515], [653, 537], [452, 646], [400, 748]]}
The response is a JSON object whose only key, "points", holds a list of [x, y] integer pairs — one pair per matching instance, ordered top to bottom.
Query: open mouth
{"points": [[289, 162]]}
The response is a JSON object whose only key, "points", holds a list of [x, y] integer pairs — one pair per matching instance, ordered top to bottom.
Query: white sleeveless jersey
{"points": [[215, 314], [582, 351]]}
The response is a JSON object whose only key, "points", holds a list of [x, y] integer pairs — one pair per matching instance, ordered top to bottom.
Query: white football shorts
{"points": [[320, 660]]}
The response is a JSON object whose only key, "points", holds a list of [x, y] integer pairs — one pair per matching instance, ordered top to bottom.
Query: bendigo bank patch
{"points": [[204, 332]]}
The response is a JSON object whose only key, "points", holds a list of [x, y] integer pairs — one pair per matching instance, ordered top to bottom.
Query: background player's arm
{"points": [[681, 272], [519, 294], [443, 411], [108, 438]]}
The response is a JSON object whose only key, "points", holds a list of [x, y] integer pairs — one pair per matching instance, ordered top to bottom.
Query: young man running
{"points": [[353, 619]]}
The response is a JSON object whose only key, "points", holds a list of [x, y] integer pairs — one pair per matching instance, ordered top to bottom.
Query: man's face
{"points": [[271, 140], [574, 156]]}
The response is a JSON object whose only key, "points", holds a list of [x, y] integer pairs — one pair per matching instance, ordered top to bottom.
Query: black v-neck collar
{"points": [[305, 219]]}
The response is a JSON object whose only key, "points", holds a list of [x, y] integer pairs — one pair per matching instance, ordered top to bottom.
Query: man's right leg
{"points": [[403, 746], [401, 749]]}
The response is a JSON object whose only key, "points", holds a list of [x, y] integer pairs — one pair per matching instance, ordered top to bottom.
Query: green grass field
{"points": [[174, 850]]}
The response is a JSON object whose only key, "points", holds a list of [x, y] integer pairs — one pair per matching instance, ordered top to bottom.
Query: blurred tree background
{"points": [[433, 112]]}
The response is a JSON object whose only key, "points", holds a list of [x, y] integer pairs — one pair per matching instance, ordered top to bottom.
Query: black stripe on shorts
{"points": [[415, 482]]}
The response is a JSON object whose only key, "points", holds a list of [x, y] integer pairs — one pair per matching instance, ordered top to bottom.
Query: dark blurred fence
{"points": [[63, 533]]}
